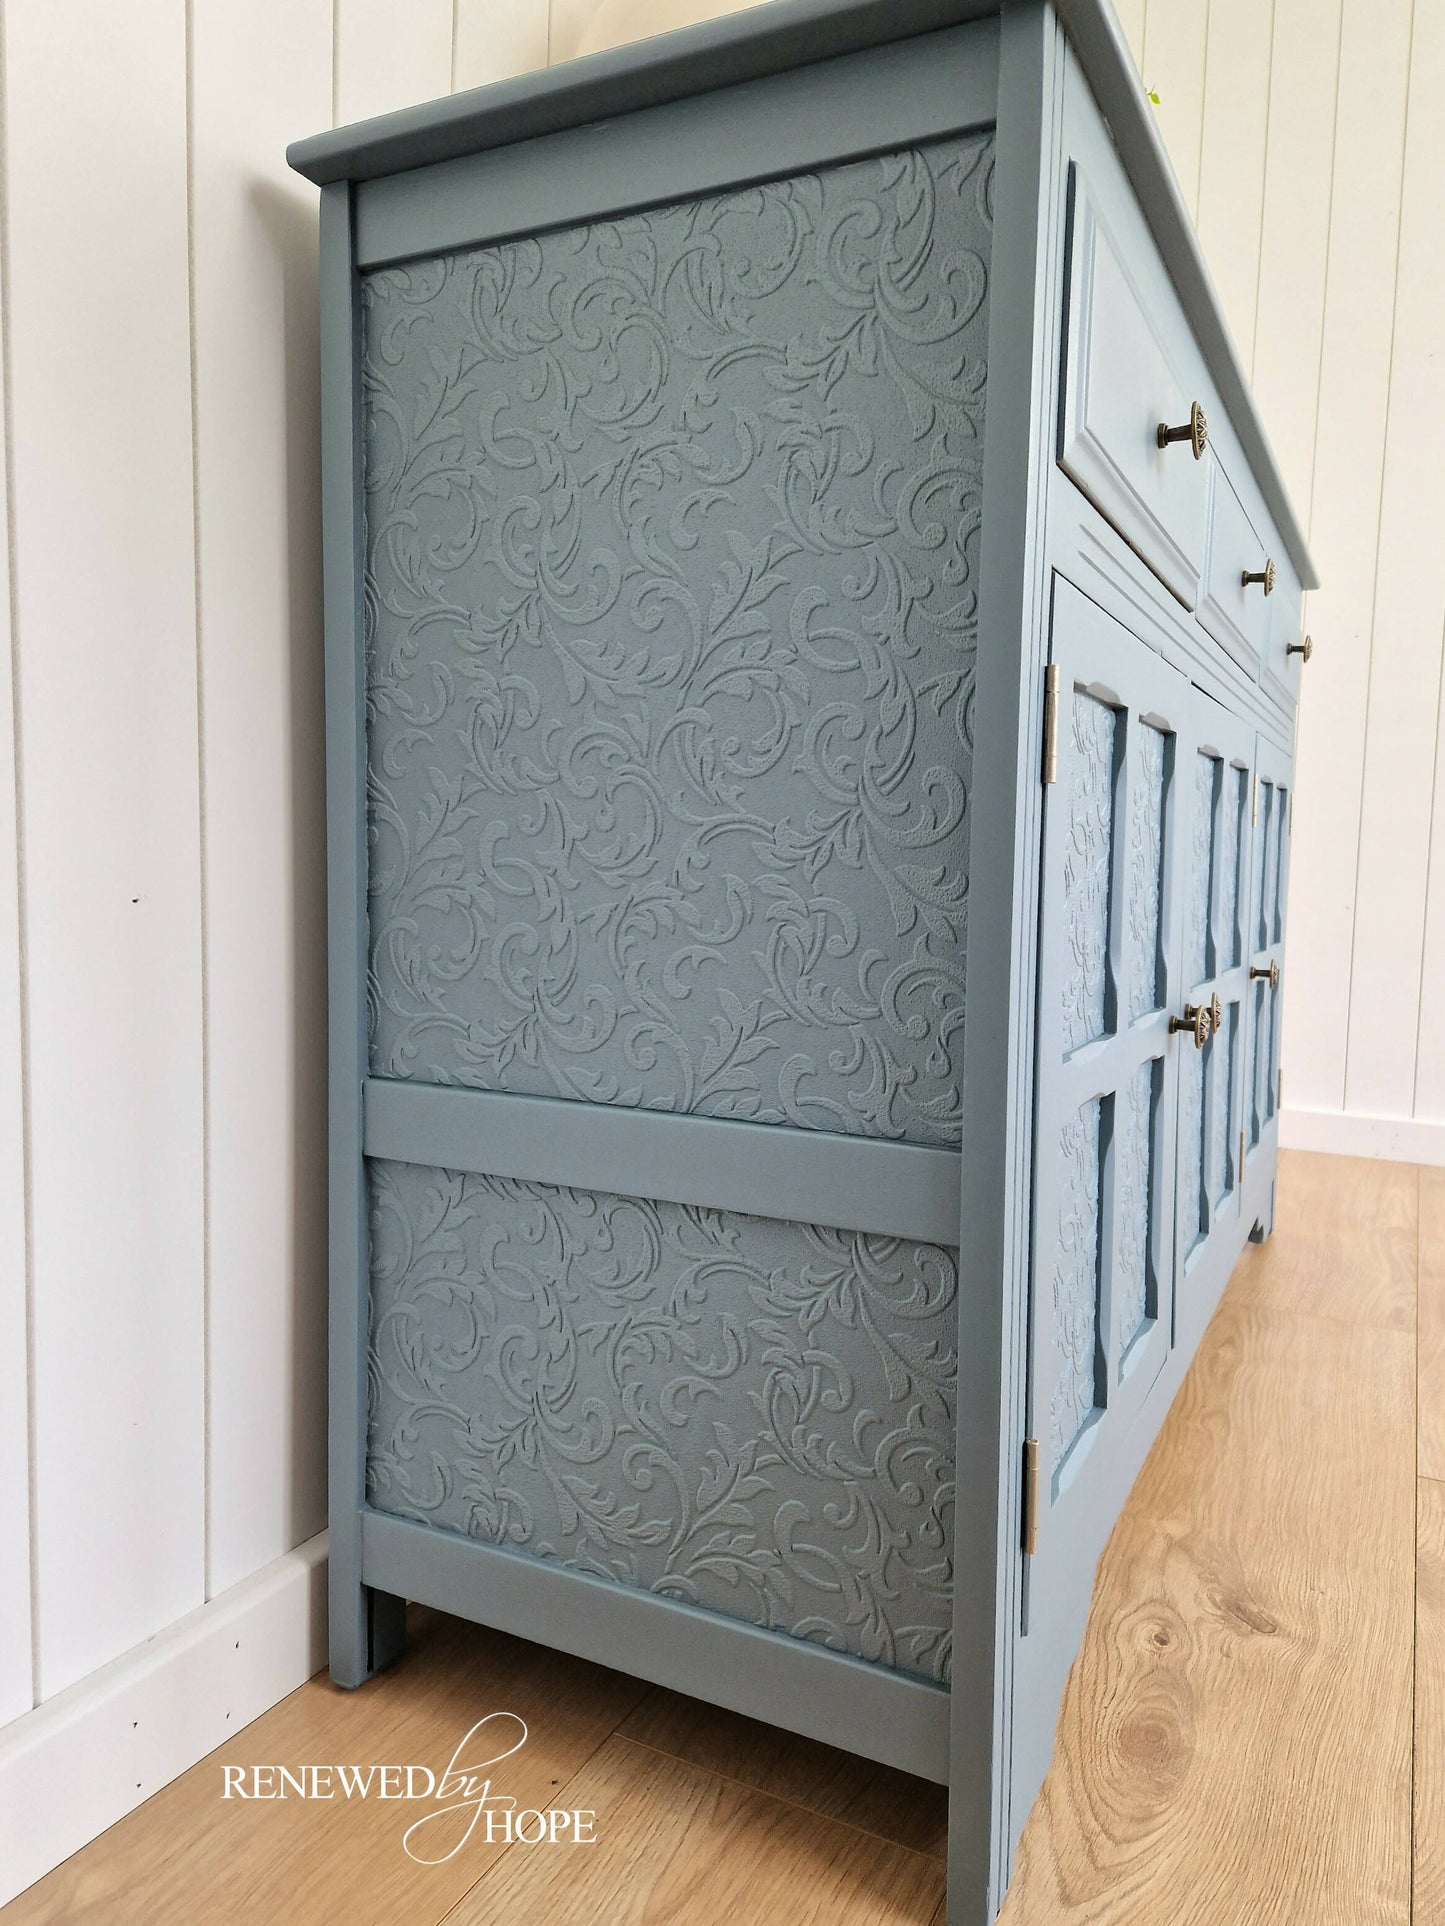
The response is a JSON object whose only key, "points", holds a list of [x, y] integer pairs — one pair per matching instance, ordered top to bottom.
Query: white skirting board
{"points": [[1399, 1140], [85, 1758]]}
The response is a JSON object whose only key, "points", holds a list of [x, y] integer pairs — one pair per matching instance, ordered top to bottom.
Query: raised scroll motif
{"points": [[672, 539], [1088, 861], [1076, 1282], [743, 1414]]}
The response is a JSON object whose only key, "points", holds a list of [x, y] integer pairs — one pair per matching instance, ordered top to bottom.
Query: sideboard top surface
{"points": [[784, 34]]}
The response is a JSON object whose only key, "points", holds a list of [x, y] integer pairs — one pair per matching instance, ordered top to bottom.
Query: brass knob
{"points": [[1195, 431], [1264, 575], [1305, 648], [1269, 976], [1216, 1014], [1197, 1020]]}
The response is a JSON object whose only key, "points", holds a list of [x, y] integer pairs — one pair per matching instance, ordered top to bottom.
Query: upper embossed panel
{"points": [[672, 530]]}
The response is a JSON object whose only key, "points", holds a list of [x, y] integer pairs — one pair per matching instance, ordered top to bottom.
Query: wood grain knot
{"points": [[1254, 1618]]}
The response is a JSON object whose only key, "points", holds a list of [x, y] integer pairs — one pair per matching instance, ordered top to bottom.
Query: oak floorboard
{"points": [[1345, 1242], [1432, 1324], [1430, 1706], [1235, 1739], [1234, 1747], [839, 1785], [676, 1843], [186, 1855]]}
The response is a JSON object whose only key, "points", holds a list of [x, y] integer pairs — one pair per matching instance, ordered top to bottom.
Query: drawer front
{"points": [[1131, 366], [1238, 612], [1280, 674]]}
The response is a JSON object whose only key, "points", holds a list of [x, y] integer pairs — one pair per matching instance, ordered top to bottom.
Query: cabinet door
{"points": [[1216, 794], [1264, 934], [1104, 1161]]}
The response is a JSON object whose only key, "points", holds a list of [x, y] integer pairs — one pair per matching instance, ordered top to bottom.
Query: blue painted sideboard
{"points": [[813, 637]]}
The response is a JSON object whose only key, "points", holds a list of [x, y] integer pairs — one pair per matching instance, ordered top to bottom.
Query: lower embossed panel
{"points": [[749, 1415]]}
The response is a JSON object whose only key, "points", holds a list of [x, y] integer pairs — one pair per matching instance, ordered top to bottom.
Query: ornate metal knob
{"points": [[1195, 431], [1263, 575], [1305, 648], [1269, 976], [1216, 1014], [1197, 1020]]}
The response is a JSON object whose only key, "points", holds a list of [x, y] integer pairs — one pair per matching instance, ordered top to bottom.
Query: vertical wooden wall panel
{"points": [[1133, 16], [588, 26], [1175, 38], [494, 42], [390, 54], [259, 73], [1231, 163], [1294, 239], [1344, 529], [104, 560], [1409, 614], [1430, 1046], [15, 1647]]}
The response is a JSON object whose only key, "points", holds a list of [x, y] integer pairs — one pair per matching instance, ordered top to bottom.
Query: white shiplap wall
{"points": [[1306, 137], [162, 991], [161, 1145]]}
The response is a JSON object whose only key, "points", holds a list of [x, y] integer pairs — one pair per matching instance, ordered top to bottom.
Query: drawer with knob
{"points": [[1135, 424], [1249, 588], [1288, 648]]}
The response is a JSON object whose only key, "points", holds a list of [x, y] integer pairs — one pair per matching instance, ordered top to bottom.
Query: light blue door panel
{"points": [[1269, 835], [1111, 974], [1213, 1136]]}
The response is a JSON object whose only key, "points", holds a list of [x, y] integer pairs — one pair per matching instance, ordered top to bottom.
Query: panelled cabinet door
{"points": [[1216, 793], [1264, 933], [1110, 976]]}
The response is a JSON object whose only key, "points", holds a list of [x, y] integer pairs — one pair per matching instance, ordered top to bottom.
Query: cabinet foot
{"points": [[1264, 1223], [368, 1632]]}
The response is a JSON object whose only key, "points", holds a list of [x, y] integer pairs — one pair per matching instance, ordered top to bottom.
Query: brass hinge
{"points": [[1051, 723], [1031, 1495]]}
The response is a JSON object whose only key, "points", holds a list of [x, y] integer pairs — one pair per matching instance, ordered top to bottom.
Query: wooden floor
{"points": [[1258, 1711]]}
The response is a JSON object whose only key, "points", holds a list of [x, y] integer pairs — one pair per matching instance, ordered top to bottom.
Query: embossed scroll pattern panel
{"points": [[672, 530], [1280, 830], [1231, 834], [1146, 860], [1088, 861], [1264, 921], [1198, 948], [1193, 1066], [1258, 1071], [1221, 1116], [1136, 1196], [1076, 1281], [748, 1415]]}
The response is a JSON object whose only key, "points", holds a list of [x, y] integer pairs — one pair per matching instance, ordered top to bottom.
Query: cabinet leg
{"points": [[1264, 1224], [368, 1629]]}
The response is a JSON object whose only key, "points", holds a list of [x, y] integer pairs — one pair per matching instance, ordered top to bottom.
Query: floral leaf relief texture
{"points": [[672, 528], [1088, 861], [1146, 878], [1136, 1203], [1074, 1392], [748, 1415]]}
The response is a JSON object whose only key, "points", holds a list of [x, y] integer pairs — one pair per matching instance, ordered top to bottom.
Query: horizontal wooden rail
{"points": [[762, 1170]]}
